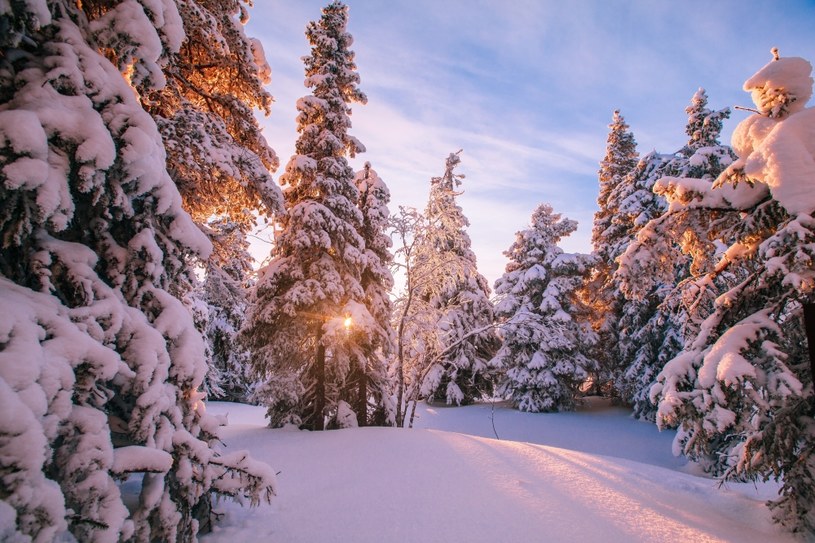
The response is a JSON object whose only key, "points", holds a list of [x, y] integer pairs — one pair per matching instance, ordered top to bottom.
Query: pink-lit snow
{"points": [[593, 475]]}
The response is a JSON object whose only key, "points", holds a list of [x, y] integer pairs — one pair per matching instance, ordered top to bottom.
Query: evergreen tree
{"points": [[704, 127], [219, 159], [620, 160], [221, 164], [611, 233], [314, 281], [224, 293], [654, 321], [376, 340], [636, 340], [544, 346], [100, 363], [458, 364], [741, 391]]}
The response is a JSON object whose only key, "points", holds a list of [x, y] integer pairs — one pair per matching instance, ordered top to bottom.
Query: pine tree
{"points": [[704, 128], [219, 159], [620, 160], [221, 164], [610, 236], [314, 281], [225, 296], [654, 322], [376, 337], [638, 339], [544, 345], [100, 363], [457, 366], [741, 391]]}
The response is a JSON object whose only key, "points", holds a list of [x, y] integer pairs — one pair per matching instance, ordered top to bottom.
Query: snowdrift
{"points": [[386, 484]]}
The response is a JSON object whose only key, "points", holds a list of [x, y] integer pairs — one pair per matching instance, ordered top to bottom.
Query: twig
{"points": [[747, 109], [492, 418]]}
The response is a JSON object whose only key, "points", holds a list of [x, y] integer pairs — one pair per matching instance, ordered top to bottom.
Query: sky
{"points": [[526, 88]]}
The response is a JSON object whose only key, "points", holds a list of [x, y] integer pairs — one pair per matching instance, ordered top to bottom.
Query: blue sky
{"points": [[527, 89]]}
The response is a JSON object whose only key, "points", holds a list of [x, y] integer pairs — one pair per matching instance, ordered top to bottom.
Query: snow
{"points": [[36, 9], [168, 21], [142, 46], [791, 75], [778, 147], [785, 161], [724, 361], [346, 418], [135, 458], [592, 475]]}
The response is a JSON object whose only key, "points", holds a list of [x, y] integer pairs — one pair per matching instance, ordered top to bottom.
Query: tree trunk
{"points": [[809, 326], [319, 386], [362, 395], [414, 397], [401, 412]]}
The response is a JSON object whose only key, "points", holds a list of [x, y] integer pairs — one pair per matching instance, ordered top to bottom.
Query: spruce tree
{"points": [[704, 126], [219, 159], [620, 160], [221, 164], [610, 236], [224, 293], [654, 320], [375, 338], [635, 338], [545, 346], [301, 350], [100, 362], [457, 368], [742, 390]]}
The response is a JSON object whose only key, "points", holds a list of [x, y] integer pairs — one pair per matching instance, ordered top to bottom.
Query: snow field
{"points": [[426, 484]]}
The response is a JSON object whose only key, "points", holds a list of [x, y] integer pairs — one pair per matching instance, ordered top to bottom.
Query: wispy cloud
{"points": [[527, 89]]}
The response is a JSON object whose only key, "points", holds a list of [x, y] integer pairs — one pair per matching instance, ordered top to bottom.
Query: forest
{"points": [[133, 170]]}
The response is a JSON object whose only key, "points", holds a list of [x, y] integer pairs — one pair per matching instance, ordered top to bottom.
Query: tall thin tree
{"points": [[610, 236], [314, 280], [375, 338]]}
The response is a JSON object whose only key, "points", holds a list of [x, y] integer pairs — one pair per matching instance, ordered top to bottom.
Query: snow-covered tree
{"points": [[704, 127], [218, 156], [221, 164], [611, 233], [608, 234], [224, 293], [654, 320], [414, 322], [637, 339], [375, 340], [544, 343], [301, 350], [100, 362], [457, 365], [741, 392]]}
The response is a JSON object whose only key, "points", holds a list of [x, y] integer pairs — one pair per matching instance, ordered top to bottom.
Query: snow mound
{"points": [[784, 76], [777, 147]]}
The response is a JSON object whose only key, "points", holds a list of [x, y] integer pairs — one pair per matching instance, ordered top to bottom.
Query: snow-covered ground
{"points": [[593, 475]]}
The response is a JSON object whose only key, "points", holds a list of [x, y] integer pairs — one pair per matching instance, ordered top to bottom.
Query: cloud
{"points": [[527, 89]]}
